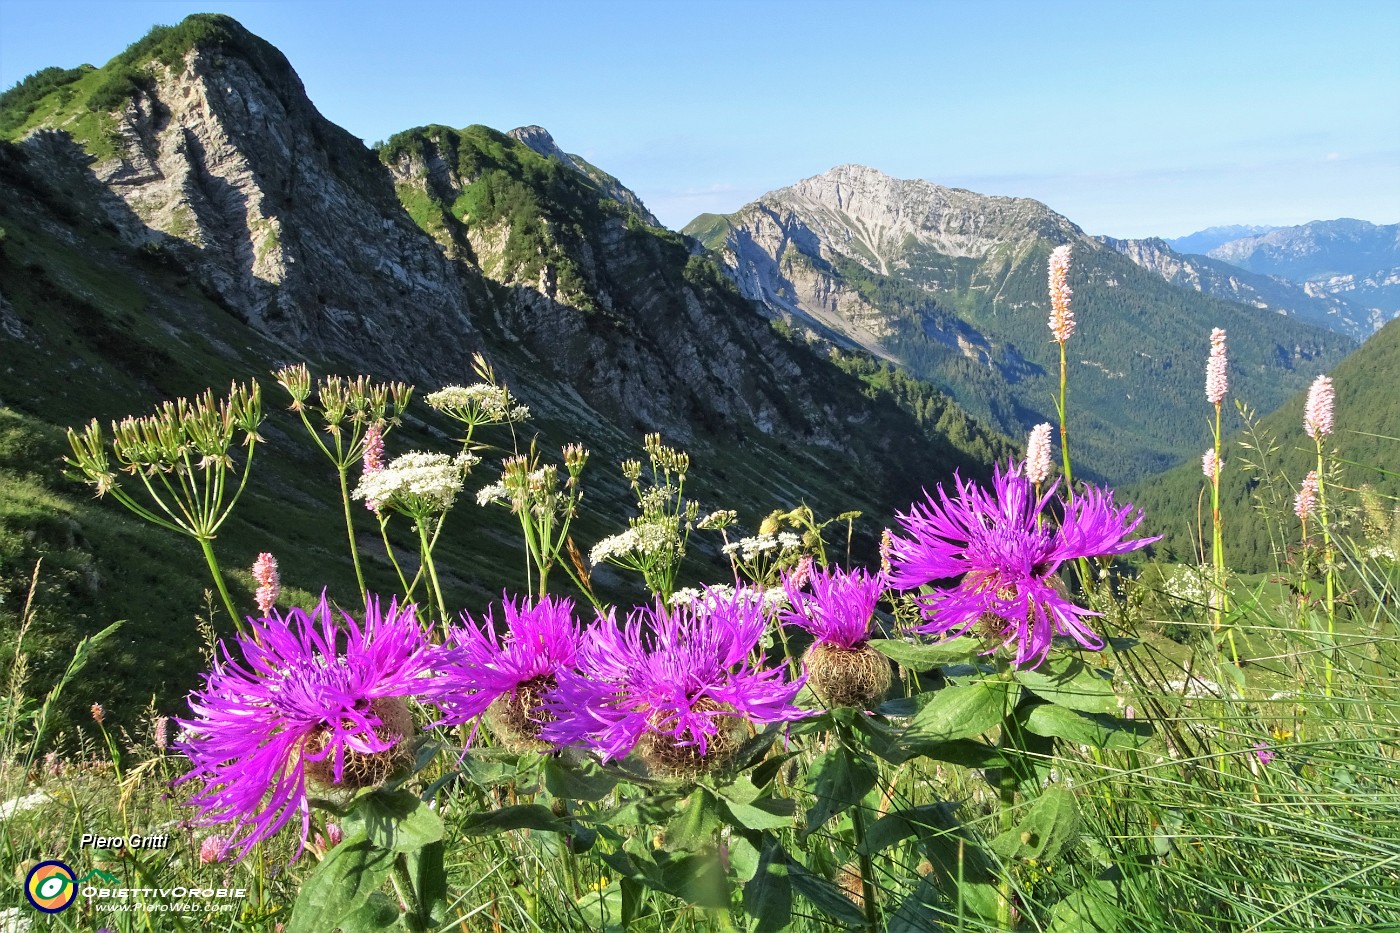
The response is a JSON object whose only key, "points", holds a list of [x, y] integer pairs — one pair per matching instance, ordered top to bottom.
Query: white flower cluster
{"points": [[481, 401], [417, 479], [496, 492], [718, 519], [643, 539], [749, 548], [1188, 585], [704, 602]]}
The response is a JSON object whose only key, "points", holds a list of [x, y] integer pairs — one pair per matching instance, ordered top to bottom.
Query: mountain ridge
{"points": [[951, 285]]}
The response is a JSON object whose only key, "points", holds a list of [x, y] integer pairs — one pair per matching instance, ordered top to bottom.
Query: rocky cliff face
{"points": [[200, 150], [221, 158], [1233, 283], [612, 304]]}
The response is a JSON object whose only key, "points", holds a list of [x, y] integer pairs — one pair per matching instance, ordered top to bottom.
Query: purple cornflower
{"points": [[1007, 558], [839, 607], [843, 668], [509, 675], [676, 682], [309, 698], [1263, 752]]}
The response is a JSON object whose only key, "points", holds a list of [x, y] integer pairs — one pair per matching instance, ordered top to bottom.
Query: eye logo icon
{"points": [[51, 886]]}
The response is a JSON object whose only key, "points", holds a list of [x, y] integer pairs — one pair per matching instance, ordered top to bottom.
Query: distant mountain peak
{"points": [[538, 139]]}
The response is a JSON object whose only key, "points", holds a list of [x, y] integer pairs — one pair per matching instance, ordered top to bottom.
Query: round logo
{"points": [[51, 886]]}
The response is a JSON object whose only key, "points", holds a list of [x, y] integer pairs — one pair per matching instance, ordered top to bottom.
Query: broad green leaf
{"points": [[923, 656], [1066, 680], [958, 713], [1097, 729], [839, 779], [582, 780], [644, 811], [763, 813], [522, 816], [399, 821], [922, 822], [1050, 824], [695, 826], [743, 858], [427, 867], [695, 877], [340, 885], [768, 895], [827, 897], [930, 907], [602, 909], [1091, 909], [378, 913]]}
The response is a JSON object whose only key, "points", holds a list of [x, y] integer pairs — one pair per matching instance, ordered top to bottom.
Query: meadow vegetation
{"points": [[1012, 719]]}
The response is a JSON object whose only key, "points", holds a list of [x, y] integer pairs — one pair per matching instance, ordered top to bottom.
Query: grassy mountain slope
{"points": [[1367, 428]]}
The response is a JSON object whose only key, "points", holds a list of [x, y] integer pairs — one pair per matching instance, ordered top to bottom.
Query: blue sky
{"points": [[1132, 118]]}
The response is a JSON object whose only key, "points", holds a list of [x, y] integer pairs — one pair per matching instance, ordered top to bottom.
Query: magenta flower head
{"points": [[1006, 552], [839, 607], [843, 668], [505, 677], [675, 684], [311, 698]]}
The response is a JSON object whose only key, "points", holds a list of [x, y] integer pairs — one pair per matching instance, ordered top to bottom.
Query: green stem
{"points": [[1064, 428], [350, 534], [389, 550], [427, 558], [213, 563], [1331, 658], [1010, 742], [867, 869], [403, 886]]}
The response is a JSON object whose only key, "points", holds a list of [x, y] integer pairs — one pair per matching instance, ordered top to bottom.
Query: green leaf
{"points": [[922, 657], [1066, 680], [956, 713], [1097, 729], [839, 779], [583, 780], [644, 811], [764, 813], [522, 816], [399, 821], [922, 822], [1050, 824], [695, 826], [743, 858], [428, 869], [695, 877], [340, 885], [768, 895], [826, 896], [602, 909], [1091, 909], [378, 913]]}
